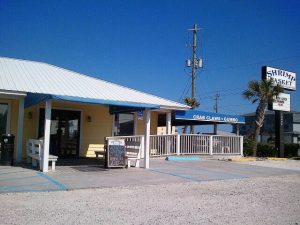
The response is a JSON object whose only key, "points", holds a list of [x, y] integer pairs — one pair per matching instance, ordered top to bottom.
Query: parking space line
{"points": [[21, 171], [176, 175], [231, 175], [17, 178], [195, 179], [53, 181], [11, 188], [29, 190]]}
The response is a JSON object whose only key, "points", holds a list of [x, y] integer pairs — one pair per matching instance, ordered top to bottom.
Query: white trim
{"points": [[12, 94], [168, 123], [147, 139], [45, 155]]}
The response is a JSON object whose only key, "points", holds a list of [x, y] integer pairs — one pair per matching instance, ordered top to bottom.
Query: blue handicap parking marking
{"points": [[214, 172], [197, 174], [176, 175], [59, 185], [22, 187]]}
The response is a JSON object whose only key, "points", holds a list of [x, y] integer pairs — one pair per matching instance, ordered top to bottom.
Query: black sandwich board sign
{"points": [[116, 153]]}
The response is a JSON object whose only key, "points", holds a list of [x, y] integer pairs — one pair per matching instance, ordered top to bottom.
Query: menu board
{"points": [[116, 153]]}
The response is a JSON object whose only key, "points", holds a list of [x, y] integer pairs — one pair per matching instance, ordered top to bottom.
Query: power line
{"points": [[251, 64], [185, 90], [222, 96]]}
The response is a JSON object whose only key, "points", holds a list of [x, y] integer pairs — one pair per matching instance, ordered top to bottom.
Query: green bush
{"points": [[248, 147], [266, 150], [269, 150], [291, 150]]}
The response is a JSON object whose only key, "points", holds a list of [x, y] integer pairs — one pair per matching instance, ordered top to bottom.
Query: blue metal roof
{"points": [[33, 99]]}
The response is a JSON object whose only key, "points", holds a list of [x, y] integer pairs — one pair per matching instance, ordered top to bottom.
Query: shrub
{"points": [[248, 147], [266, 150], [291, 150]]}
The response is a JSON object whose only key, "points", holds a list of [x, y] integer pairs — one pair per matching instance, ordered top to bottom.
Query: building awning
{"points": [[35, 98], [202, 117]]}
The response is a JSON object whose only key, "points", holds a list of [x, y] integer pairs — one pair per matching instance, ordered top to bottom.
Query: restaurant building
{"points": [[72, 112]]}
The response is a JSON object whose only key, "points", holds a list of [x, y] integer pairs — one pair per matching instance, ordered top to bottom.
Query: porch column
{"points": [[135, 116], [168, 123], [237, 129], [20, 131], [47, 135], [147, 139], [242, 145]]}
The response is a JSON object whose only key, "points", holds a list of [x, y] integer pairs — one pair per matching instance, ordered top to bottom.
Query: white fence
{"points": [[184, 144], [193, 144], [163, 145], [227, 145]]}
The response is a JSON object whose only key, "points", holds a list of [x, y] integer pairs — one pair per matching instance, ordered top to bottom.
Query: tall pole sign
{"points": [[287, 80]]}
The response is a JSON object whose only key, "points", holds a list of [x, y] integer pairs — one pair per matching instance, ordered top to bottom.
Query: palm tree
{"points": [[263, 92], [193, 103]]}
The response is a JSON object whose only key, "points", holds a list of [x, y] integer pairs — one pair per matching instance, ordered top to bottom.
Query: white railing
{"points": [[131, 139], [184, 144], [194, 144], [163, 145], [226, 145]]}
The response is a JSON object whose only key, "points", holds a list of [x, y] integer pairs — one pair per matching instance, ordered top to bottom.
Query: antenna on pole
{"points": [[195, 63]]}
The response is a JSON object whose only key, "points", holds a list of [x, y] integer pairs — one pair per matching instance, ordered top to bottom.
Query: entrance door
{"points": [[3, 118], [64, 132]]}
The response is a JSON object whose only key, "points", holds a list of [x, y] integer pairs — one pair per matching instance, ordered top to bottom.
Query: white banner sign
{"points": [[284, 78], [282, 102]]}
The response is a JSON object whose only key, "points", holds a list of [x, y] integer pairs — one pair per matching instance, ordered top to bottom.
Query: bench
{"points": [[98, 149], [132, 149], [34, 153]]}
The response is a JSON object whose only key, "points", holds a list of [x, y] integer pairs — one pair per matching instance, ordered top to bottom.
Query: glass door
{"points": [[3, 118], [64, 132]]}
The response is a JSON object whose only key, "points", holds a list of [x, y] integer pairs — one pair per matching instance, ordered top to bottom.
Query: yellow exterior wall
{"points": [[153, 124], [30, 128], [140, 128], [92, 133]]}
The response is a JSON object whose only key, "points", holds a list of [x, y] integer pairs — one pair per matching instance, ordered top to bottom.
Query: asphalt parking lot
{"points": [[93, 175]]}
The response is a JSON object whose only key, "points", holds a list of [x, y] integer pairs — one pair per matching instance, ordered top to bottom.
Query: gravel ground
{"points": [[285, 164], [271, 200]]}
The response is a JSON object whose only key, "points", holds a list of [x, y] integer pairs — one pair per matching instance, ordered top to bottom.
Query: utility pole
{"points": [[195, 63], [217, 96]]}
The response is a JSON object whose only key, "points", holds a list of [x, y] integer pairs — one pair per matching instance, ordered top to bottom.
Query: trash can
{"points": [[7, 149]]}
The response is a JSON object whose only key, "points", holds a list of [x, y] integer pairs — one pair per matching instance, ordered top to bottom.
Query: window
{"points": [[3, 118], [124, 124]]}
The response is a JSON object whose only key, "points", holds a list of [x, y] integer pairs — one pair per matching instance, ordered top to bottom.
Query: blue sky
{"points": [[143, 44]]}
